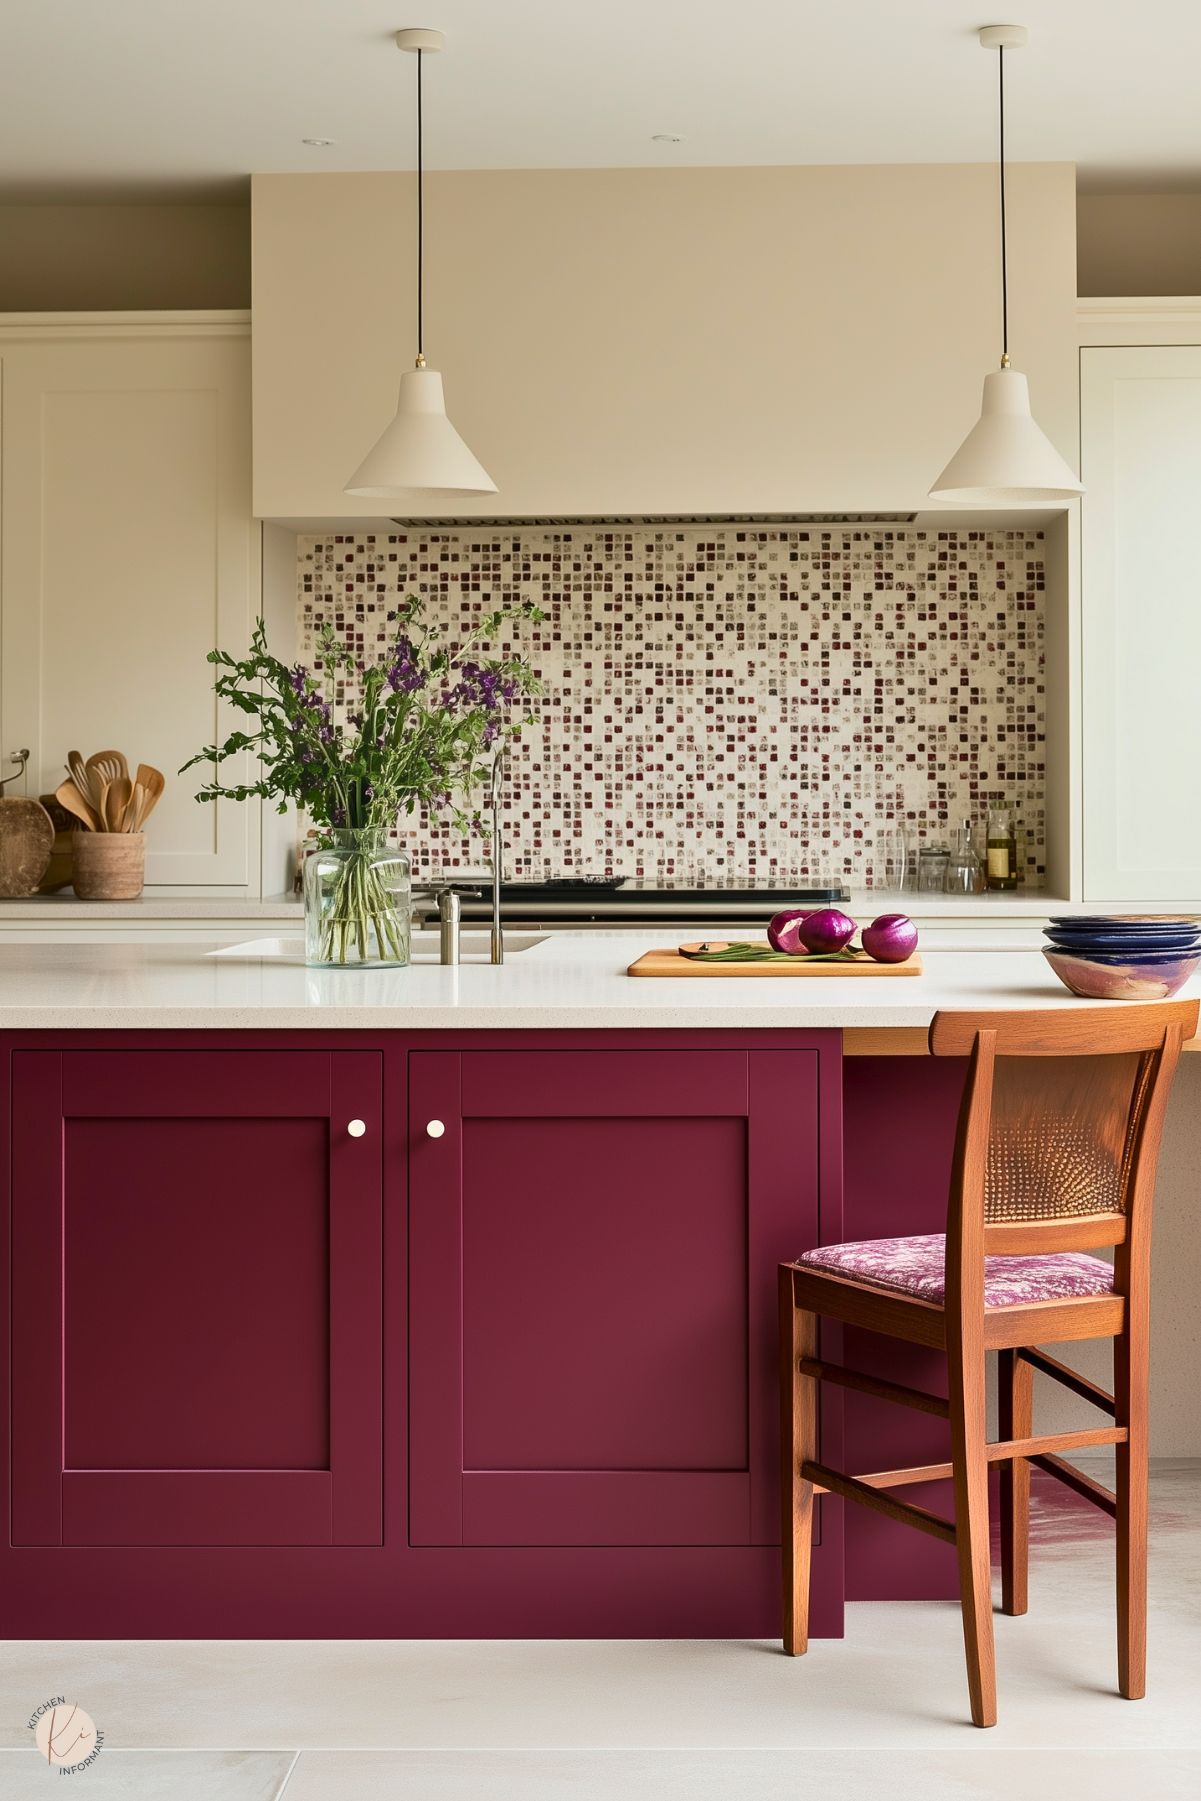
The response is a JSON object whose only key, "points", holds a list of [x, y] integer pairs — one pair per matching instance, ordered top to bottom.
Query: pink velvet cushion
{"points": [[915, 1266]]}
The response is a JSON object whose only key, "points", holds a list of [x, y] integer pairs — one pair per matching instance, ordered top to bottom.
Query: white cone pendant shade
{"points": [[420, 452], [420, 455], [1006, 459]]}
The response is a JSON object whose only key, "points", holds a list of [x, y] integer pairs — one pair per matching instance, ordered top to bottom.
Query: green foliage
{"points": [[428, 724]]}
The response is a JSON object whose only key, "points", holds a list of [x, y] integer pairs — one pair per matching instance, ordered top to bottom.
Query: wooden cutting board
{"points": [[671, 963]]}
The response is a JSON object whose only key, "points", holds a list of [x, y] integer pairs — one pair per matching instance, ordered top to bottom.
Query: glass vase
{"points": [[356, 901]]}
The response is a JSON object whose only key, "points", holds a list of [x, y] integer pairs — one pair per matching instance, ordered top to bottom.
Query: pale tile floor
{"points": [[881, 1712]]}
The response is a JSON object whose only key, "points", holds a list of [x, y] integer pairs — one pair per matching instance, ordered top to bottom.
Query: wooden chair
{"points": [[1058, 1139]]}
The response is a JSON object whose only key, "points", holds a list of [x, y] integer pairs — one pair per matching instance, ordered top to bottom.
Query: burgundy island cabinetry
{"points": [[375, 1333]]}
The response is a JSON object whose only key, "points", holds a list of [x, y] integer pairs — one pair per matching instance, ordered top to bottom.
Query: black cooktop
{"points": [[591, 885], [597, 899]]}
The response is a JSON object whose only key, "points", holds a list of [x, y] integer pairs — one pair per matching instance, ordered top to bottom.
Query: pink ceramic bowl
{"points": [[1145, 976]]}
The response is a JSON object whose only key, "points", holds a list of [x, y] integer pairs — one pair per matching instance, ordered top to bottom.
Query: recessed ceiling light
{"points": [[666, 137], [319, 143]]}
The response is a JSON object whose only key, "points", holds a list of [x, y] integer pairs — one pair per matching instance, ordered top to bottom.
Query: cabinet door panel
{"points": [[1141, 465], [129, 550], [594, 1242], [167, 1391]]}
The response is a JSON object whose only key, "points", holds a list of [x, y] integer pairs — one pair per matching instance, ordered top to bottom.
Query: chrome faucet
{"points": [[498, 857], [447, 898]]}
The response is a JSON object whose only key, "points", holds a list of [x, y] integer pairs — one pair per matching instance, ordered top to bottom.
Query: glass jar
{"points": [[1002, 849], [932, 862], [892, 864], [356, 901]]}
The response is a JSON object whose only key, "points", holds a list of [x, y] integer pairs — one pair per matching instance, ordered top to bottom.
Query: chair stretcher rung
{"points": [[1068, 1378], [873, 1385], [1001, 1452], [1084, 1485], [851, 1489]]}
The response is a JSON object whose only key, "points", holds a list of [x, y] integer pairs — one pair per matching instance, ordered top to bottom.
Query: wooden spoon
{"points": [[67, 795], [116, 804]]}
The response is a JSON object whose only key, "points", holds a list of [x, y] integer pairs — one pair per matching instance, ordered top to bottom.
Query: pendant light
{"points": [[420, 453], [1005, 460]]}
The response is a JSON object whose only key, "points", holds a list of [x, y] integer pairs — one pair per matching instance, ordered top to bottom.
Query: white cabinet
{"points": [[128, 550], [1141, 636]]}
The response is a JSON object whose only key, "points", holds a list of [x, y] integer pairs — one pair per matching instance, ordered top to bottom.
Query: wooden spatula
{"points": [[106, 766], [79, 774], [152, 782], [67, 795]]}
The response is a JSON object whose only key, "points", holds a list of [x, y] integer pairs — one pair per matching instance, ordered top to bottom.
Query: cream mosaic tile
{"points": [[727, 706]]}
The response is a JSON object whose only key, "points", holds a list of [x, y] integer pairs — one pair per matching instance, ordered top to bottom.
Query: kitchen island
{"points": [[441, 1301]]}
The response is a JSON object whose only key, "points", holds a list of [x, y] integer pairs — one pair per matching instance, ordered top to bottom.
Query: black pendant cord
{"points": [[421, 227], [1004, 262]]}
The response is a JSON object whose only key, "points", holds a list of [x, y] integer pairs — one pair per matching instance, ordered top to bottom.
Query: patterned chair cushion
{"points": [[916, 1266]]}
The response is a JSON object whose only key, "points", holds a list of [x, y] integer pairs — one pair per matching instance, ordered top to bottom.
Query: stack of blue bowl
{"points": [[1131, 957]]}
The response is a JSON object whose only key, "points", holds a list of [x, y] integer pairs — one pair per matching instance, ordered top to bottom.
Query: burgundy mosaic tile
{"points": [[727, 705]]}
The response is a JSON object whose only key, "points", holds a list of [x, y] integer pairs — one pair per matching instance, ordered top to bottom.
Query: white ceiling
{"points": [[102, 98]]}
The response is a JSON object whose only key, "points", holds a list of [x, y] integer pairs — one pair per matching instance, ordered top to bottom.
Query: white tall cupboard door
{"points": [[128, 553], [1141, 632]]}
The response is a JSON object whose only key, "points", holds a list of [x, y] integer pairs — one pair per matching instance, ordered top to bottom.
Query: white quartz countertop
{"points": [[568, 980]]}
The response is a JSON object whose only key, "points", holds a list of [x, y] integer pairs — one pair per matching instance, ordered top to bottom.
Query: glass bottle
{"points": [[1002, 849], [963, 869]]}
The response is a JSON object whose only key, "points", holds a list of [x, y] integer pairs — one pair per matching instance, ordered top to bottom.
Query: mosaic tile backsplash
{"points": [[729, 706]]}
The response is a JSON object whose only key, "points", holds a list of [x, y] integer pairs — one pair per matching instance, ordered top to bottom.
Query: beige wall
{"points": [[1139, 243], [93, 258], [693, 340]]}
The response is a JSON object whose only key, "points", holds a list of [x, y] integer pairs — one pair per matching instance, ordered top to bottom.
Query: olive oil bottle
{"points": [[1002, 849]]}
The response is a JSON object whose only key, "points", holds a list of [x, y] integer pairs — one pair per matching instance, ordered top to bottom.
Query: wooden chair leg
{"points": [[965, 1369], [1016, 1420], [798, 1440], [1130, 1487]]}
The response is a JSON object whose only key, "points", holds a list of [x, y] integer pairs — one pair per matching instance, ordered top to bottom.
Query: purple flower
{"points": [[299, 678], [491, 732], [326, 734], [368, 791], [337, 816]]}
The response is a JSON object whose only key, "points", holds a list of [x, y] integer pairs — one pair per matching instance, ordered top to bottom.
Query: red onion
{"points": [[826, 930], [782, 932], [891, 938]]}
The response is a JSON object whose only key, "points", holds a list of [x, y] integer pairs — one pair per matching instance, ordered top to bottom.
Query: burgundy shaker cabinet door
{"points": [[594, 1238], [196, 1306]]}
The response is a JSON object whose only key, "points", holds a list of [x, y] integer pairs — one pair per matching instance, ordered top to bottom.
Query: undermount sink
{"points": [[475, 947]]}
